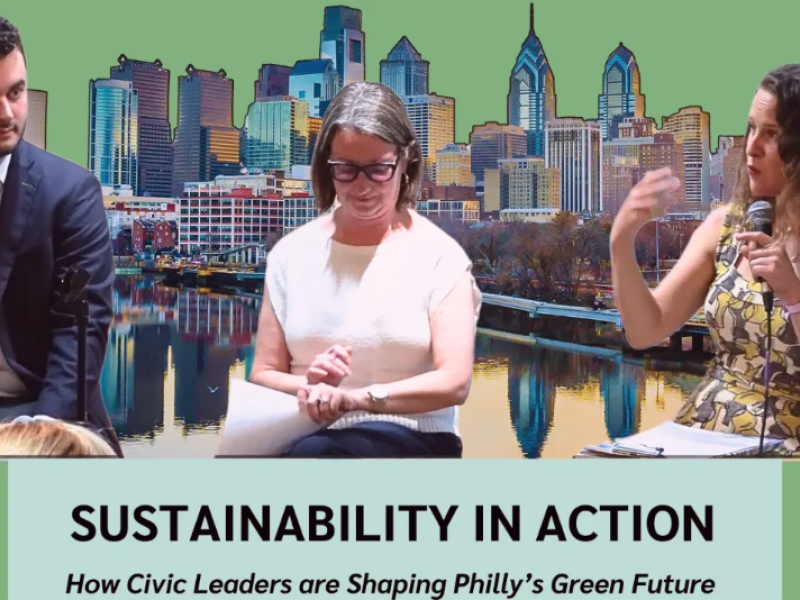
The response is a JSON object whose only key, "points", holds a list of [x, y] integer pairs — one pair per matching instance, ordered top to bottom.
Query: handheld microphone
{"points": [[759, 218]]}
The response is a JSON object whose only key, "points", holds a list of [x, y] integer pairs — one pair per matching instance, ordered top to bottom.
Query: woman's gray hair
{"points": [[373, 109]]}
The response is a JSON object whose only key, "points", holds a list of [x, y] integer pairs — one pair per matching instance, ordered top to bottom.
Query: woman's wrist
{"points": [[621, 238], [793, 297], [361, 400]]}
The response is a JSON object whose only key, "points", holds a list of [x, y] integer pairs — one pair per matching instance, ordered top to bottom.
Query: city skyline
{"points": [[376, 48]]}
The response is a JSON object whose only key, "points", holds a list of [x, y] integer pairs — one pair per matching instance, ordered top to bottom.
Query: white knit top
{"points": [[376, 299]]}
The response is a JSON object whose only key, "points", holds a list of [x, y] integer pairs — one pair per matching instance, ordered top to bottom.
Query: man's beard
{"points": [[8, 148]]}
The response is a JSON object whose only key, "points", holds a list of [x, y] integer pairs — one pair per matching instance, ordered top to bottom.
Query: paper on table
{"points": [[262, 421], [679, 440]]}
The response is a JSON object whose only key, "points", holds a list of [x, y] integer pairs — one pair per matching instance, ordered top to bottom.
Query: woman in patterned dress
{"points": [[718, 271]]}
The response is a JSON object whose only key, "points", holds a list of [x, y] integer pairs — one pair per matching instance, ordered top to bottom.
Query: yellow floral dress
{"points": [[730, 397]]}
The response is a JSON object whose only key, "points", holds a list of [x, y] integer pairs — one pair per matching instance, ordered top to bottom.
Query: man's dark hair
{"points": [[10, 39]]}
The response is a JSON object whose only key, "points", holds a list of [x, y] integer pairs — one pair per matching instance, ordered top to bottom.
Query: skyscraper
{"points": [[342, 41], [404, 70], [273, 80], [315, 82], [151, 83], [532, 97], [621, 97], [433, 118], [690, 126], [36, 129], [113, 132], [277, 134], [492, 142], [206, 143], [575, 147], [628, 158], [453, 166], [730, 166], [525, 183]]}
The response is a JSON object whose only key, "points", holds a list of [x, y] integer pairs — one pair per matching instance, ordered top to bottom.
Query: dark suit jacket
{"points": [[51, 218]]}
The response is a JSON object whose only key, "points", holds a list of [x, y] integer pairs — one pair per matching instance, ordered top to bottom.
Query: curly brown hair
{"points": [[10, 39], [784, 84]]}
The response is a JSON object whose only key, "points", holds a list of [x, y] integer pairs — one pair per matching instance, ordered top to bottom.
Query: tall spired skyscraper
{"points": [[342, 41], [404, 70], [532, 97], [621, 97]]}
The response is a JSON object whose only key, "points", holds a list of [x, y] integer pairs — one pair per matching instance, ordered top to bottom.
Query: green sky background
{"points": [[710, 53]]}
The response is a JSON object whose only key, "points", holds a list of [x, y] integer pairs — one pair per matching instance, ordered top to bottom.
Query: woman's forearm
{"points": [[639, 310], [277, 380], [419, 394]]}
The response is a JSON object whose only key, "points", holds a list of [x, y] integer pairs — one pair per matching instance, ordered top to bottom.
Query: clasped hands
{"points": [[769, 260], [321, 397]]}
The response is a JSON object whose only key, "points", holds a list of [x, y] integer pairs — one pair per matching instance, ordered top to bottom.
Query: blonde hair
{"points": [[50, 437]]}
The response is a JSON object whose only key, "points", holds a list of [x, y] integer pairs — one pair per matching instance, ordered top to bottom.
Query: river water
{"points": [[172, 354]]}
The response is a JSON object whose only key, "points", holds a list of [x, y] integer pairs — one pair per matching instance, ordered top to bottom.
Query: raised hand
{"points": [[648, 200]]}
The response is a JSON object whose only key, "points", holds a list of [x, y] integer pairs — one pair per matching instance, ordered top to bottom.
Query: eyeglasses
{"points": [[347, 172]]}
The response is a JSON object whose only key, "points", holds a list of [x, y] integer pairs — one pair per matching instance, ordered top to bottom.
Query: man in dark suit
{"points": [[51, 219]]}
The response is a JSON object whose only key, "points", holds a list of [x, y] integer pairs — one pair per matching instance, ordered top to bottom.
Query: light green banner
{"points": [[741, 558]]}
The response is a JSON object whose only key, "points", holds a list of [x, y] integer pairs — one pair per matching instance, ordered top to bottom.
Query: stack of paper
{"points": [[262, 422], [671, 440]]}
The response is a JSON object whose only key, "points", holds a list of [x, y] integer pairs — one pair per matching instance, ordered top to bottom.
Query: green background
{"points": [[690, 52]]}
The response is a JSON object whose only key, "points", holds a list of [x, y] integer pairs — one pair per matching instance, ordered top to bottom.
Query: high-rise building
{"points": [[342, 41], [404, 70], [273, 80], [151, 82], [315, 82], [532, 97], [621, 97], [433, 118], [690, 126], [314, 127], [636, 127], [36, 129], [113, 132], [277, 134], [492, 142], [206, 143], [575, 147], [662, 151], [627, 159], [454, 165], [715, 166], [730, 166], [621, 170], [525, 183], [490, 202]]}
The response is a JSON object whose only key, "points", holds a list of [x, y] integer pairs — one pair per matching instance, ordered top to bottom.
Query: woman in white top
{"points": [[370, 310]]}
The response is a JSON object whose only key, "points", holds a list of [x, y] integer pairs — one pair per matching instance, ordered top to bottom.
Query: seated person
{"points": [[721, 270], [370, 310]]}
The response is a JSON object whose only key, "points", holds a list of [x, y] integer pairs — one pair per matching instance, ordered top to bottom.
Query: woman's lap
{"points": [[376, 439]]}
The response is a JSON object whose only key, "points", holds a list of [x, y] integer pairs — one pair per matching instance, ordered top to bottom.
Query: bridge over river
{"points": [[696, 327]]}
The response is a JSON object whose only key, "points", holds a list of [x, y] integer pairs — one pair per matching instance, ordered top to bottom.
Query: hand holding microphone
{"points": [[768, 258]]}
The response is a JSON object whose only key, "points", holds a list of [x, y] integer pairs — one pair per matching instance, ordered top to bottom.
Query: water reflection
{"points": [[172, 354]]}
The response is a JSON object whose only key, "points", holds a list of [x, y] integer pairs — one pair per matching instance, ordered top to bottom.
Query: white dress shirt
{"points": [[10, 384]]}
